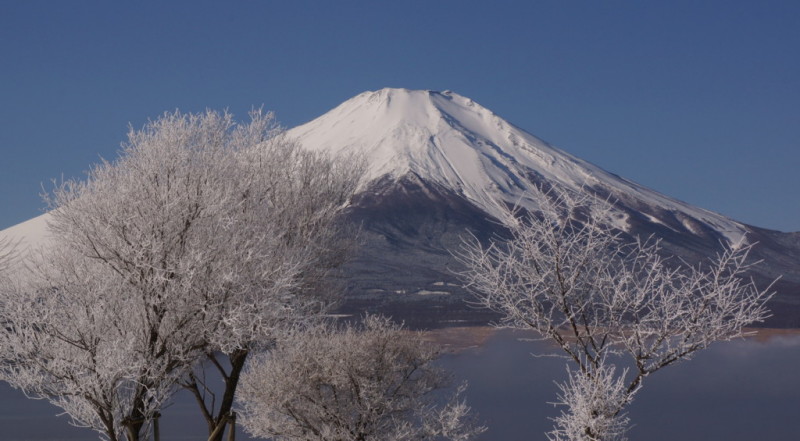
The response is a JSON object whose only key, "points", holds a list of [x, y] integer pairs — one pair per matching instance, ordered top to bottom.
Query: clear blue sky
{"points": [[699, 100]]}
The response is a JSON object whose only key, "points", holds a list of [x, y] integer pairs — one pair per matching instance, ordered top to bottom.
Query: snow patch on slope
{"points": [[29, 234], [27, 237]]}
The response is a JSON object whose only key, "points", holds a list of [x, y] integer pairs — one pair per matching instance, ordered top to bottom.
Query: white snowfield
{"points": [[450, 140], [455, 142], [28, 234], [27, 237]]}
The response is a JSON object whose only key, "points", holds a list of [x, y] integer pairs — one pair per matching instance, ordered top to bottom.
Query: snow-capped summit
{"points": [[441, 136], [450, 140]]}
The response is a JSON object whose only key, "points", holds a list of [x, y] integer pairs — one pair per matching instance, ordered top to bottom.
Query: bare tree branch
{"points": [[568, 274]]}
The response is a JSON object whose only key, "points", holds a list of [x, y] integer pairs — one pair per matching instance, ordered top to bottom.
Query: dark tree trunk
{"points": [[218, 418], [156, 428]]}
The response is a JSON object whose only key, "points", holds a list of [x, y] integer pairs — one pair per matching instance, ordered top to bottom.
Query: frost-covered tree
{"points": [[294, 201], [202, 238], [567, 274], [83, 339], [371, 383], [593, 402]]}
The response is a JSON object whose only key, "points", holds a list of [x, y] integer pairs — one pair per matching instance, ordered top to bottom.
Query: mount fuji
{"points": [[448, 140], [438, 163]]}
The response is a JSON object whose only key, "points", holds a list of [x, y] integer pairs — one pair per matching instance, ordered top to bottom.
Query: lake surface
{"points": [[733, 391]]}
